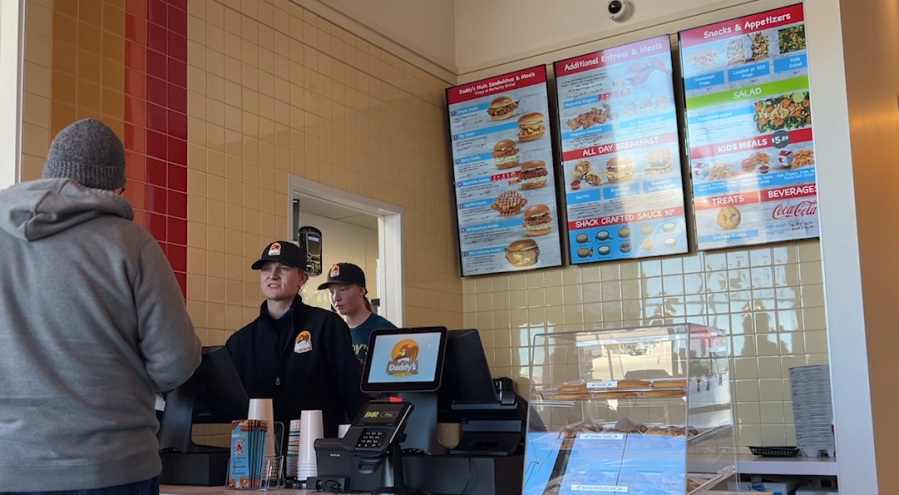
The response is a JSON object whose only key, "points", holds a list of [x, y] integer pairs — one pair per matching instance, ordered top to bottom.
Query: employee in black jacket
{"points": [[300, 356]]}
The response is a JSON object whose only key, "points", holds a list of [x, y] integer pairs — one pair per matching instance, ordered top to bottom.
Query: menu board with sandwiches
{"points": [[749, 124], [503, 173], [624, 190]]}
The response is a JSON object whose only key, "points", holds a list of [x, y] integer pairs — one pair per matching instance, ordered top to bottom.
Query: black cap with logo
{"points": [[284, 252], [344, 273]]}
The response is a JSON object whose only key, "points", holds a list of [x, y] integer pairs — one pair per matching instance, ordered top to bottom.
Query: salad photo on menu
{"points": [[749, 127], [503, 173], [623, 185]]}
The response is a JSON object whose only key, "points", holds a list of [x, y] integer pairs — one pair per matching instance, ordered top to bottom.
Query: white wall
{"points": [[421, 32], [495, 32], [10, 90], [341, 242]]}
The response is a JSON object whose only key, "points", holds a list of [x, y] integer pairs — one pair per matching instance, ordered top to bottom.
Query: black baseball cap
{"points": [[284, 252], [344, 273]]}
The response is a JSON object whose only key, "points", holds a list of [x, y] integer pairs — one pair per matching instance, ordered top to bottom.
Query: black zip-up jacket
{"points": [[326, 377]]}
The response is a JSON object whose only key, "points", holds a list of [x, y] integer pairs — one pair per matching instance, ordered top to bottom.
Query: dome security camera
{"points": [[617, 10]]}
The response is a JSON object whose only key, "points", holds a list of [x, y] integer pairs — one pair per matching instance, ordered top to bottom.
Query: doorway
{"points": [[354, 229]]}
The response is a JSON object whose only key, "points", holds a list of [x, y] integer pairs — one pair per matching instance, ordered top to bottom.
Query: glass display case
{"points": [[644, 410]]}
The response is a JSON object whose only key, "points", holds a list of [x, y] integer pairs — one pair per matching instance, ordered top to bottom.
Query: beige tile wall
{"points": [[37, 86], [276, 90], [769, 300]]}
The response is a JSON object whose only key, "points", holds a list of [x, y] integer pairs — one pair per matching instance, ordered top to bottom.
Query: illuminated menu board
{"points": [[749, 124], [503, 173], [624, 192]]}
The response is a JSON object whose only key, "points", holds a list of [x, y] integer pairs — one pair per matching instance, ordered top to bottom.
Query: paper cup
{"points": [[262, 409]]}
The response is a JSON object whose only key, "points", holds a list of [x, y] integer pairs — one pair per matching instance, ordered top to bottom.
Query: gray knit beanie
{"points": [[89, 153]]}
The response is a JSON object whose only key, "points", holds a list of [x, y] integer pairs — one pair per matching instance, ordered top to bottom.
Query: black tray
{"points": [[775, 451]]}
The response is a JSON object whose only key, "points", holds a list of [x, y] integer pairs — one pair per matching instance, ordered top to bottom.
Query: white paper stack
{"points": [[812, 409], [311, 428], [293, 448]]}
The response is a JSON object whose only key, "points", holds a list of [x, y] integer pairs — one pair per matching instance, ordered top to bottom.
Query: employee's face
{"points": [[281, 282], [346, 298]]}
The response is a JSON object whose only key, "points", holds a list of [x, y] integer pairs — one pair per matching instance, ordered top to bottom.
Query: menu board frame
{"points": [[752, 171], [623, 192], [507, 220]]}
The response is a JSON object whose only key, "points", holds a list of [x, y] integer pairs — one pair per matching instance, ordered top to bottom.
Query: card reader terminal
{"points": [[377, 427]]}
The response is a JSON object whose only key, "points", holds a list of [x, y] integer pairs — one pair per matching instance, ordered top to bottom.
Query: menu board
{"points": [[749, 125], [503, 173], [623, 185]]}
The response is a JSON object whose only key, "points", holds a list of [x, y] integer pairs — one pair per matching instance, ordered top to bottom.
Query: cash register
{"points": [[428, 375]]}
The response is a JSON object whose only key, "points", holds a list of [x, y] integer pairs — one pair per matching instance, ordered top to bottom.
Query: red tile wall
{"points": [[156, 123]]}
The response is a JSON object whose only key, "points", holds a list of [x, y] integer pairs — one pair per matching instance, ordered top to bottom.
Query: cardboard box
{"points": [[776, 488]]}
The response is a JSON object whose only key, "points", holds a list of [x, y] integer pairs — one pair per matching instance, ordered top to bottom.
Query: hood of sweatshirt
{"points": [[41, 208]]}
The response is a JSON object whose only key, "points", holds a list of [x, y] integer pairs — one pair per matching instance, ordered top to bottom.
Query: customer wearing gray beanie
{"points": [[89, 153], [92, 327]]}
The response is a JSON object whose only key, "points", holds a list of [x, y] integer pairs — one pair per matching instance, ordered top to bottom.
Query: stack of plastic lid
{"points": [[812, 409], [293, 448]]}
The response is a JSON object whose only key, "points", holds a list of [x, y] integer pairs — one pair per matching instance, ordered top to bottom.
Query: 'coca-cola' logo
{"points": [[801, 209]]}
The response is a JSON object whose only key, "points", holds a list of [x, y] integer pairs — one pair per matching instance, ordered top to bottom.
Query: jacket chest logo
{"points": [[303, 343]]}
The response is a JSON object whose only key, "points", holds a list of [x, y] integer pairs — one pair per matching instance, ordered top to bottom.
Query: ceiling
{"points": [[334, 211]]}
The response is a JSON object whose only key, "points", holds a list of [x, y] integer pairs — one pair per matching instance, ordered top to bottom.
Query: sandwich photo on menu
{"points": [[502, 107], [530, 126], [505, 154], [619, 169], [532, 174], [537, 220], [522, 253]]}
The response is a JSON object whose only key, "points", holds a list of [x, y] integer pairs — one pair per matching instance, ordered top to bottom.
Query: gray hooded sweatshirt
{"points": [[92, 325]]}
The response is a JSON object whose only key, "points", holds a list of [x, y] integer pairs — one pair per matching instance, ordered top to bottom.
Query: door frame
{"points": [[390, 237]]}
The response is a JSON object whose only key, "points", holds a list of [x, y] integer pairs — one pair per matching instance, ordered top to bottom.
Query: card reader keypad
{"points": [[371, 439]]}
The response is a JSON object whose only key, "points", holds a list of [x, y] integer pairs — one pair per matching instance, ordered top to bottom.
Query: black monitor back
{"points": [[466, 373], [213, 395]]}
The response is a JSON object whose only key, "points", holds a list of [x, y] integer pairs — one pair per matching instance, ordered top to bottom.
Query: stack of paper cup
{"points": [[262, 409], [311, 428], [341, 430], [293, 448]]}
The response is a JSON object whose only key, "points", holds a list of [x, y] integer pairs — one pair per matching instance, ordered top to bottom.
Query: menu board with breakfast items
{"points": [[749, 125], [503, 173], [623, 185]]}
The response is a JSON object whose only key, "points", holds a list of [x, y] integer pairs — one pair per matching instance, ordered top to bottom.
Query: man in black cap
{"points": [[346, 285], [299, 356]]}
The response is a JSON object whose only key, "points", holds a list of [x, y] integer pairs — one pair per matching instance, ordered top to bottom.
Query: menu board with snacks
{"points": [[749, 125], [503, 173], [623, 185]]}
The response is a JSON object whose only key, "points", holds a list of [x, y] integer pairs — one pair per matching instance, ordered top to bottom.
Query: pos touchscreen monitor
{"points": [[404, 360]]}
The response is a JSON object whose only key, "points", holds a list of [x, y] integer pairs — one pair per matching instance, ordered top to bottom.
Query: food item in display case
{"points": [[791, 39], [758, 45], [736, 54], [704, 58], [502, 107], [790, 111], [593, 116], [530, 127], [505, 154], [754, 160], [659, 161], [619, 169], [721, 171], [533, 174], [593, 179], [509, 203], [729, 217], [537, 220], [522, 253], [669, 383], [662, 392], [692, 484]]}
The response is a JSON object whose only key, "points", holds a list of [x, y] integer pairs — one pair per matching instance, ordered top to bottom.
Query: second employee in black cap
{"points": [[299, 356]]}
